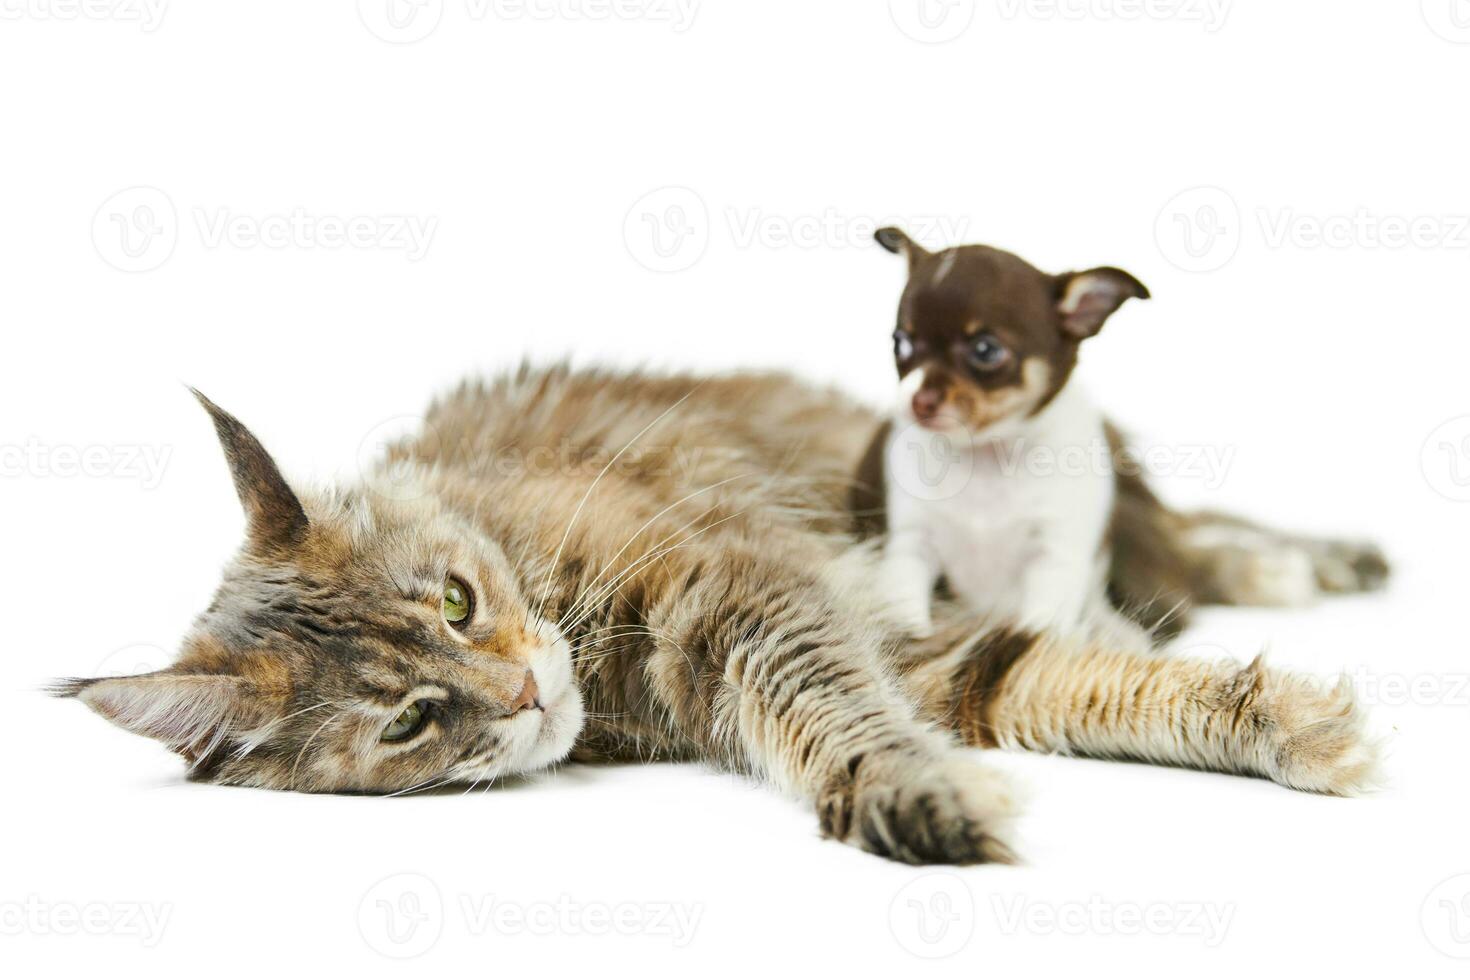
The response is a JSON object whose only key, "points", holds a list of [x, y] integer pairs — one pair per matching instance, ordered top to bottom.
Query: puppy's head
{"points": [[985, 338]]}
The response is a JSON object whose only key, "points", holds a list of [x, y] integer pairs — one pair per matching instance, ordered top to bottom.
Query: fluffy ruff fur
{"points": [[674, 558]]}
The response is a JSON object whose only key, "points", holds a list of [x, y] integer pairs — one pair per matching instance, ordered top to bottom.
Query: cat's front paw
{"points": [[1304, 733], [1323, 741], [951, 812]]}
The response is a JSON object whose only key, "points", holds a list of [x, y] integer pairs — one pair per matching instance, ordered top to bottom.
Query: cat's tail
{"points": [[1166, 562], [1001, 687]]}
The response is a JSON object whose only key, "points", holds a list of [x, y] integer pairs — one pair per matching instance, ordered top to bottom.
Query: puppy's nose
{"points": [[926, 403], [530, 696]]}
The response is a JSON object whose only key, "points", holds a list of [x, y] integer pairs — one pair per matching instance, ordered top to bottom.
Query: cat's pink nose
{"points": [[529, 697]]}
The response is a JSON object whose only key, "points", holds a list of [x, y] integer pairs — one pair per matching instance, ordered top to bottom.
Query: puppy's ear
{"points": [[899, 243], [1086, 299]]}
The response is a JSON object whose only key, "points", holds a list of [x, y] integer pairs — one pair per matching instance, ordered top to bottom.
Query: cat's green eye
{"points": [[457, 602], [409, 723]]}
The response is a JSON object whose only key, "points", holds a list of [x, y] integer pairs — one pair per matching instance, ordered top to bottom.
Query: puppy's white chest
{"points": [[1001, 513], [1004, 521], [1014, 523]]}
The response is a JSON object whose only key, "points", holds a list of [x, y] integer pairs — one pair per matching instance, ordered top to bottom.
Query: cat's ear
{"points": [[897, 241], [1086, 299], [274, 517], [192, 714]]}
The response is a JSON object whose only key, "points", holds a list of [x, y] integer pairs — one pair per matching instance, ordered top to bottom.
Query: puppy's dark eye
{"points": [[903, 345], [987, 353]]}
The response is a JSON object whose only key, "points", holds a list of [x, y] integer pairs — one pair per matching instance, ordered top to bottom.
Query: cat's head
{"points": [[358, 642]]}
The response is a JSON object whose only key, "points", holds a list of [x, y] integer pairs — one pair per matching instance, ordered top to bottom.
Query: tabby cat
{"points": [[597, 565]]}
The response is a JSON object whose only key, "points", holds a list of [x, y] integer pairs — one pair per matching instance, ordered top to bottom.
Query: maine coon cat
{"points": [[598, 565]]}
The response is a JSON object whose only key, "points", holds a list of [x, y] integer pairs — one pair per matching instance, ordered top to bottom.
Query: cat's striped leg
{"points": [[791, 689], [1011, 689]]}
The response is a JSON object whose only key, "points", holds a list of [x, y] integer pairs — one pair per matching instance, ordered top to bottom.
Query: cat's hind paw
{"points": [[1346, 567]]}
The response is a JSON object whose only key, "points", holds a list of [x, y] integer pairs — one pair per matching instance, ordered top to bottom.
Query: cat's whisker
{"points": [[650, 522], [526, 551], [653, 553], [556, 558], [645, 560], [613, 588], [575, 607], [604, 629], [631, 631], [603, 653], [583, 655], [597, 657], [260, 738], [307, 744], [479, 758], [441, 778], [490, 784], [410, 789]]}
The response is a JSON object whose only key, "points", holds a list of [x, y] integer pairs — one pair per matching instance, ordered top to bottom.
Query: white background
{"points": [[1331, 372]]}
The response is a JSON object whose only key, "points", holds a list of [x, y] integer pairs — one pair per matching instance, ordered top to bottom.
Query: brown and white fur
{"points": [[999, 472], [718, 609]]}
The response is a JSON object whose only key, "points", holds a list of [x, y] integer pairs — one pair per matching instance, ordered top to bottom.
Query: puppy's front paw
{"points": [[950, 812]]}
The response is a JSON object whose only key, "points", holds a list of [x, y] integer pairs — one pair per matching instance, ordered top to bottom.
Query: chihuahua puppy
{"points": [[997, 470]]}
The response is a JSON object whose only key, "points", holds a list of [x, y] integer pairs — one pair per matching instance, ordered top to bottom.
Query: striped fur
{"points": [[679, 574]]}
